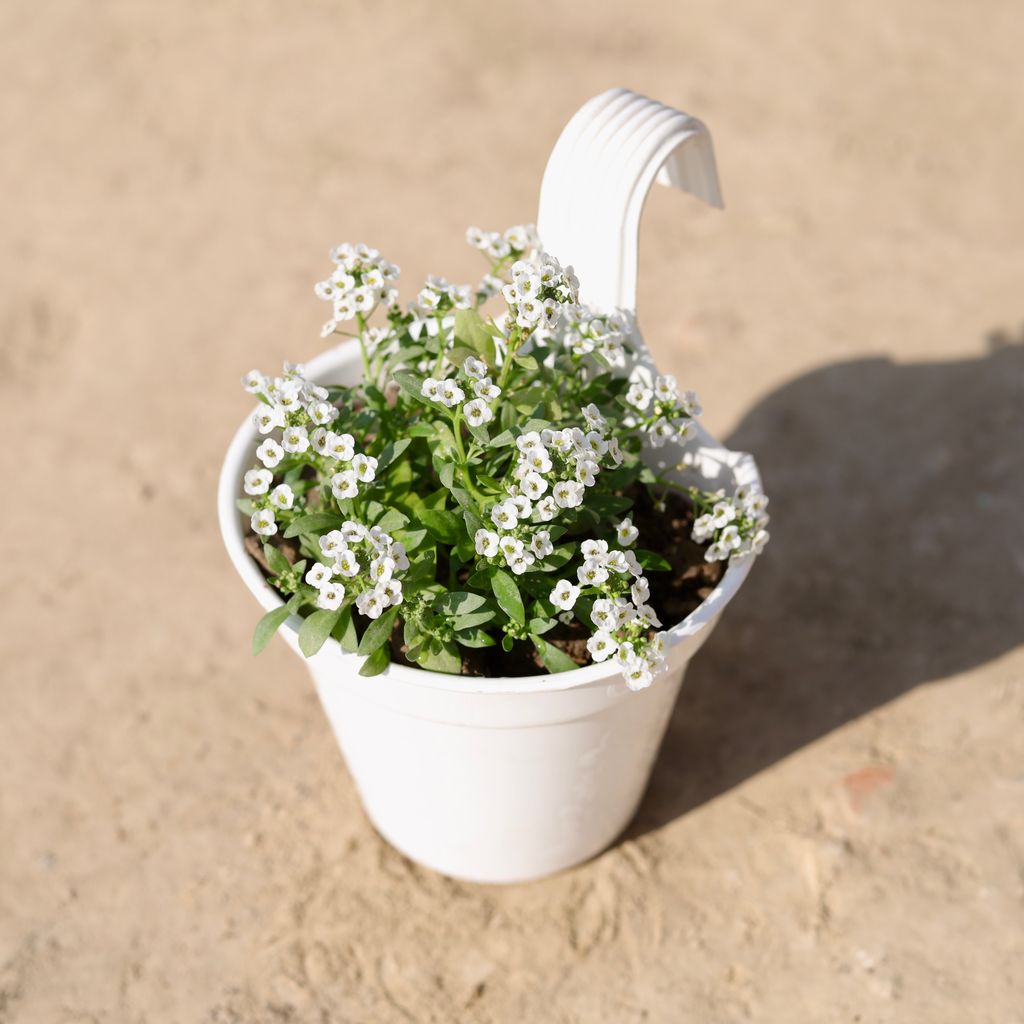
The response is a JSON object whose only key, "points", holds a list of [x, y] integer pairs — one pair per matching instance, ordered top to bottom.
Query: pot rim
{"points": [[236, 461]]}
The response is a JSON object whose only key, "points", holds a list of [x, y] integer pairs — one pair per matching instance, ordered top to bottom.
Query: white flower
{"points": [[476, 238], [475, 368], [254, 382], [665, 388], [431, 389], [485, 389], [451, 393], [689, 404], [477, 412], [322, 413], [267, 418], [594, 419], [662, 431], [295, 440], [318, 440], [529, 441], [341, 447], [615, 452], [270, 453], [537, 459], [364, 467], [586, 472], [257, 481], [343, 485], [533, 486], [568, 494], [282, 497], [546, 509], [722, 514], [504, 515], [263, 522], [703, 528], [352, 532], [626, 533], [730, 538], [759, 540], [486, 542], [331, 543], [540, 544], [510, 546], [596, 549], [715, 553], [400, 557], [521, 562], [616, 562], [345, 563], [633, 563], [382, 569], [592, 573], [319, 575], [640, 591], [391, 592], [564, 595], [331, 596], [371, 603], [603, 614], [648, 614], [601, 645], [637, 673]]}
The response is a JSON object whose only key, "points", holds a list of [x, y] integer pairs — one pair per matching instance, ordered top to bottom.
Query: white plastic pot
{"points": [[510, 779]]}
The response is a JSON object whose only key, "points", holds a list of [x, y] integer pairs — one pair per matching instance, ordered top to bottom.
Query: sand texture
{"points": [[835, 829]]}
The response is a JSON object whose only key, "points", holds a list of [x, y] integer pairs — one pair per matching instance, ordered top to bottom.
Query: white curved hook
{"points": [[598, 177]]}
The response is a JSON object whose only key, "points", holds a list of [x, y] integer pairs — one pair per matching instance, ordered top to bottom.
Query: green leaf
{"points": [[471, 330], [412, 384], [421, 430], [502, 440], [391, 452], [445, 472], [608, 504], [245, 506], [392, 520], [315, 522], [442, 525], [410, 538], [562, 554], [275, 559], [650, 560], [507, 594], [459, 602], [471, 619], [270, 624], [541, 625], [315, 629], [345, 631], [378, 632], [474, 638], [507, 643], [445, 658], [554, 659], [376, 662]]}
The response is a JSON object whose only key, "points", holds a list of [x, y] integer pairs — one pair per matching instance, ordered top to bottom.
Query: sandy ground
{"points": [[834, 831]]}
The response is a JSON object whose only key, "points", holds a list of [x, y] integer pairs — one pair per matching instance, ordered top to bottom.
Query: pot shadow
{"points": [[897, 558]]}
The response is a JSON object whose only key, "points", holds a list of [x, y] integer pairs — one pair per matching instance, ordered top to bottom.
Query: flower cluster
{"points": [[510, 244], [361, 281], [539, 290], [604, 334], [450, 392], [293, 405], [662, 412], [480, 459], [735, 526], [359, 560], [621, 616]]}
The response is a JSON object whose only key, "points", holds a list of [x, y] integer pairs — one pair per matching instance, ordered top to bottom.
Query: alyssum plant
{"points": [[481, 459]]}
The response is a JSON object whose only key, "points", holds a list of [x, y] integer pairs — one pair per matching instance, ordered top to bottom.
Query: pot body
{"points": [[492, 780]]}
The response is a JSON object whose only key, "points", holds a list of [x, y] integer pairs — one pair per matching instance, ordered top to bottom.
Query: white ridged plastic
{"points": [[597, 179], [508, 779]]}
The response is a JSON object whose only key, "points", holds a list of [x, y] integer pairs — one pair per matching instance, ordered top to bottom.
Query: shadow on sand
{"points": [[897, 557]]}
